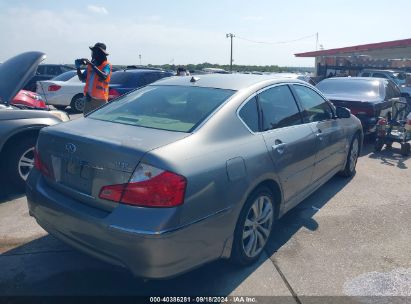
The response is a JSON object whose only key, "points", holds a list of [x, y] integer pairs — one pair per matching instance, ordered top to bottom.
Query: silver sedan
{"points": [[189, 169]]}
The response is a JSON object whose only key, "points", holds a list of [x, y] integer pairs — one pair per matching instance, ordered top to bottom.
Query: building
{"points": [[394, 55]]}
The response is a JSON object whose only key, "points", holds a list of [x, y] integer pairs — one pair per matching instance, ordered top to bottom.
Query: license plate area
{"points": [[78, 175]]}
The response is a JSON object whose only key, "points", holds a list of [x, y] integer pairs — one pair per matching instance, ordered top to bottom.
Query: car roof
{"points": [[376, 70], [142, 71], [355, 79], [224, 81]]}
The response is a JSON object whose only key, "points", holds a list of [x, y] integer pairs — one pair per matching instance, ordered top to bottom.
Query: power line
{"points": [[276, 42]]}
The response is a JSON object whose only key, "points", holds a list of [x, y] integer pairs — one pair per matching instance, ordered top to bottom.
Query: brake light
{"points": [[54, 87], [113, 93], [40, 104], [40, 166], [148, 187]]}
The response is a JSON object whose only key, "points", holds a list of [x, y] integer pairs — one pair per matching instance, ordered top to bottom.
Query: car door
{"points": [[330, 136], [290, 142]]}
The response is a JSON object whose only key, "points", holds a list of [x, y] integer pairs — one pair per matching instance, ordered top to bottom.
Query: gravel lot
{"points": [[350, 238]]}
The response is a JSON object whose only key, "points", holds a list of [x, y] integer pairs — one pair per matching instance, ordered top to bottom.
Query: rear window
{"points": [[65, 76], [119, 77], [360, 88], [172, 108]]}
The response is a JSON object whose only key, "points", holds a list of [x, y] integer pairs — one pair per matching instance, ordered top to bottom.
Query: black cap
{"points": [[101, 46]]}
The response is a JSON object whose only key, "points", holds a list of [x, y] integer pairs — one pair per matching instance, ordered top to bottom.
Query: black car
{"points": [[46, 72], [127, 80], [367, 98], [19, 128]]}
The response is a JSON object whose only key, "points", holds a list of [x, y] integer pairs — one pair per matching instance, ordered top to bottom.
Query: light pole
{"points": [[231, 36], [139, 57]]}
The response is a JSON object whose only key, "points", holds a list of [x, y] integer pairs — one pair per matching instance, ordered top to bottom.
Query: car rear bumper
{"points": [[369, 124], [148, 254]]}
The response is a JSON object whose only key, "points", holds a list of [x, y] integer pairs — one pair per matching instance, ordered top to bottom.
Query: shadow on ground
{"points": [[390, 157]]}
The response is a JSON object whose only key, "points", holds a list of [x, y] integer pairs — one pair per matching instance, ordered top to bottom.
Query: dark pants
{"points": [[90, 104]]}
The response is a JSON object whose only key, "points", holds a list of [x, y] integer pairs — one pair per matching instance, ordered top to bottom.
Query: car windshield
{"points": [[65, 76], [360, 88], [172, 108]]}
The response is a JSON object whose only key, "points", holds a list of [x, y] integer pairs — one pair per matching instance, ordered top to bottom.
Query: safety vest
{"points": [[95, 86]]}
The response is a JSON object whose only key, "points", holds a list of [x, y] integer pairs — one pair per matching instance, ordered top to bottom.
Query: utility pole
{"points": [[231, 36], [316, 41], [139, 56]]}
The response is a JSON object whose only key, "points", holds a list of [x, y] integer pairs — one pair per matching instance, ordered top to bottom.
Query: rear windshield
{"points": [[65, 76], [119, 77], [360, 88], [172, 108]]}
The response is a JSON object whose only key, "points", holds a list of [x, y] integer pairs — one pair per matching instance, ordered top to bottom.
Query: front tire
{"points": [[405, 149], [352, 157], [20, 160], [254, 227]]}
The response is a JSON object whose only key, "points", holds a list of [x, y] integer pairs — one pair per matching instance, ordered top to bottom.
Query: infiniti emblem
{"points": [[71, 148]]}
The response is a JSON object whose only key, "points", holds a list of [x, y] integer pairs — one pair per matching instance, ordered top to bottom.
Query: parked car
{"points": [[46, 72], [398, 77], [127, 80], [63, 91], [367, 98], [28, 100], [19, 128], [188, 169]]}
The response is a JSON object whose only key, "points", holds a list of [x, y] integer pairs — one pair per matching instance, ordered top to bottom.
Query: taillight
{"points": [[54, 87], [113, 93], [40, 104], [40, 166], [148, 187]]}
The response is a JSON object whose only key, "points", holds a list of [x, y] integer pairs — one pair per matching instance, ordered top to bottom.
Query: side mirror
{"points": [[406, 95], [343, 112]]}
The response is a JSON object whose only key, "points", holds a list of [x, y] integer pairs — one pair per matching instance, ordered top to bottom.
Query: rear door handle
{"points": [[279, 146]]}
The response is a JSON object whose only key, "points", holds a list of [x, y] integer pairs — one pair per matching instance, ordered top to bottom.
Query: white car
{"points": [[303, 77], [63, 91]]}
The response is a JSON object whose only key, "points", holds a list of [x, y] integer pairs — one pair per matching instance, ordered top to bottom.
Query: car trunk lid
{"points": [[86, 154]]}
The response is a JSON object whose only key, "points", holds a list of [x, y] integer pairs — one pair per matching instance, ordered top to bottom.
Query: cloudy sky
{"points": [[189, 31]]}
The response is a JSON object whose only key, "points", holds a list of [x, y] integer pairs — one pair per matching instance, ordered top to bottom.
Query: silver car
{"points": [[189, 169]]}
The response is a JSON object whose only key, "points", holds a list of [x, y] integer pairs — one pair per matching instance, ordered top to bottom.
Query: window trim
{"points": [[258, 92], [302, 109], [258, 113]]}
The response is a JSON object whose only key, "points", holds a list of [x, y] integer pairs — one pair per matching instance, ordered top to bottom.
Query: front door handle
{"points": [[279, 146]]}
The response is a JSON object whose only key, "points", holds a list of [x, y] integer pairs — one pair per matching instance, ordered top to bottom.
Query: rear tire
{"points": [[77, 103], [379, 143], [405, 149], [352, 157], [20, 160], [253, 227]]}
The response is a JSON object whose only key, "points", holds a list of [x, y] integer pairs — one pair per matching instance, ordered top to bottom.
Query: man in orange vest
{"points": [[97, 77]]}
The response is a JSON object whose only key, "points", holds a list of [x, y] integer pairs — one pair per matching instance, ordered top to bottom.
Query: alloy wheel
{"points": [[354, 154], [26, 163], [257, 226]]}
